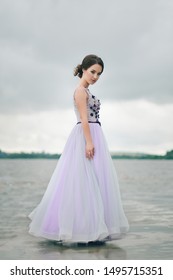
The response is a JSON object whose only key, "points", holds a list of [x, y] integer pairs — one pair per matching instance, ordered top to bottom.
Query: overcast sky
{"points": [[41, 41]]}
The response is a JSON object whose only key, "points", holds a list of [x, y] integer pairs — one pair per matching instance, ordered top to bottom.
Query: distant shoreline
{"points": [[42, 155]]}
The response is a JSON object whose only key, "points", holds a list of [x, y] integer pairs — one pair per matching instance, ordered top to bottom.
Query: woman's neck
{"points": [[83, 83]]}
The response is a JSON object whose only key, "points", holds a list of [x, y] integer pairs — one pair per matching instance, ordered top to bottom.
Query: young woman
{"points": [[82, 202]]}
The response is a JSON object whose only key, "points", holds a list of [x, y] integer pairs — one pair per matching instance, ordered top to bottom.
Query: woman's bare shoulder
{"points": [[80, 93]]}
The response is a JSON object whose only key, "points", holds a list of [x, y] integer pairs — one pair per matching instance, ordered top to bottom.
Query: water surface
{"points": [[147, 194]]}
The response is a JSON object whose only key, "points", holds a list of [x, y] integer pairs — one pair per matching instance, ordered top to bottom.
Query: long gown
{"points": [[82, 202]]}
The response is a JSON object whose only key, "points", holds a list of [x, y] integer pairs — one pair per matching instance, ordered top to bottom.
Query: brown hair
{"points": [[87, 62]]}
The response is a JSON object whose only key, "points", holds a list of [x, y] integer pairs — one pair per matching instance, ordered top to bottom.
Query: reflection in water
{"points": [[55, 250]]}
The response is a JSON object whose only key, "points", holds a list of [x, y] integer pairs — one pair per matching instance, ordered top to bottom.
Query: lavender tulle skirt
{"points": [[82, 202]]}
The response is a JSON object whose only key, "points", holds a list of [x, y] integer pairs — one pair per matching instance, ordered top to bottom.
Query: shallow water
{"points": [[147, 194]]}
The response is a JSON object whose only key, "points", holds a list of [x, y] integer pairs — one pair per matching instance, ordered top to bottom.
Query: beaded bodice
{"points": [[93, 107]]}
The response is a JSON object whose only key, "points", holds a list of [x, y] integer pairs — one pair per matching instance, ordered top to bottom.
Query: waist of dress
{"points": [[92, 122]]}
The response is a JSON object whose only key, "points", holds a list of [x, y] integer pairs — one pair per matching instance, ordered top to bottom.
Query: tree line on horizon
{"points": [[43, 155]]}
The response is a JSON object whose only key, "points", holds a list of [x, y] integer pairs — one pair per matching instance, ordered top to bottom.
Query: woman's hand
{"points": [[89, 150]]}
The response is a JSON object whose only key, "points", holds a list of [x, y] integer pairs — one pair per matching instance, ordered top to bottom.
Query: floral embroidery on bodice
{"points": [[93, 108]]}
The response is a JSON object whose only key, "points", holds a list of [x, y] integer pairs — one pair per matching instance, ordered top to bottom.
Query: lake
{"points": [[147, 193]]}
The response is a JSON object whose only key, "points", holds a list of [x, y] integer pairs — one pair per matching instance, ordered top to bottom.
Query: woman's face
{"points": [[92, 74]]}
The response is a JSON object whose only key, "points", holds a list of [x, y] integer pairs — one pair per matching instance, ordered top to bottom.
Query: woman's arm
{"points": [[81, 102]]}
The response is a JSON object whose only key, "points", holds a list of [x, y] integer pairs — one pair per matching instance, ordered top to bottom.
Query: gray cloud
{"points": [[41, 42]]}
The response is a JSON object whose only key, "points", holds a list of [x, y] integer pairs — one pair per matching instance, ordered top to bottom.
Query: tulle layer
{"points": [[82, 202]]}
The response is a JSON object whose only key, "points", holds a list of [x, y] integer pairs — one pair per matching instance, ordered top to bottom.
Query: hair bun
{"points": [[78, 71]]}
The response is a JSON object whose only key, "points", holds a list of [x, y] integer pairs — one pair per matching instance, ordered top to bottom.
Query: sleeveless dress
{"points": [[82, 202]]}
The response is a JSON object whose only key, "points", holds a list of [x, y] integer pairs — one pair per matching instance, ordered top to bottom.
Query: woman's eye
{"points": [[93, 72]]}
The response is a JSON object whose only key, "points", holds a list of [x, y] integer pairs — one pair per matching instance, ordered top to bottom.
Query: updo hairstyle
{"points": [[87, 62]]}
